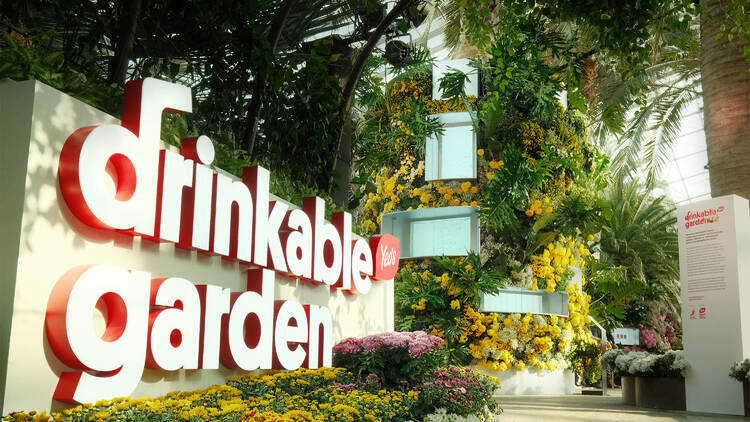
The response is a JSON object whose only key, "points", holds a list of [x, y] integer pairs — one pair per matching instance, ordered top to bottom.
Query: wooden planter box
{"points": [[628, 389], [660, 393]]}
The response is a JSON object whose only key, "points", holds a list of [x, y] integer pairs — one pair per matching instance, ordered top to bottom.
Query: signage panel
{"points": [[714, 241], [136, 269]]}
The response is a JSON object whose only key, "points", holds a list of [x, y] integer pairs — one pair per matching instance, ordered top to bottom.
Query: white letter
{"points": [[87, 156], [177, 174], [203, 190], [228, 192], [343, 222], [266, 226], [324, 233], [298, 245], [361, 267], [215, 303], [262, 306], [286, 333], [320, 344], [122, 348], [181, 351]]}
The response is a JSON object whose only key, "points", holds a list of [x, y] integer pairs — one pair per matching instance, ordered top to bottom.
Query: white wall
{"points": [[42, 240], [714, 277]]}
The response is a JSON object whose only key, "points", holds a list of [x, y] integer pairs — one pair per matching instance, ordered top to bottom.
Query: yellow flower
{"points": [[480, 152], [490, 175], [474, 189], [473, 203], [590, 237], [468, 267], [455, 304]]}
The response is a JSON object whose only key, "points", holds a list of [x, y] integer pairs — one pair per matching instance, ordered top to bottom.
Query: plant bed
{"points": [[650, 380], [628, 390], [660, 392]]}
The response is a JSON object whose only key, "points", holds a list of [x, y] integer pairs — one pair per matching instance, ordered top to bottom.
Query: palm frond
{"points": [[640, 235]]}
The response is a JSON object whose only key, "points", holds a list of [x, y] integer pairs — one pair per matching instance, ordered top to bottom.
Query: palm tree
{"points": [[703, 66], [726, 105], [644, 111], [640, 234]]}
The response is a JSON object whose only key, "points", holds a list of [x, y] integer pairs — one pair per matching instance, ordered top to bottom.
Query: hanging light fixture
{"points": [[398, 53]]}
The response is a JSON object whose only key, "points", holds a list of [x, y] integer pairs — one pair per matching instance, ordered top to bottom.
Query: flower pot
{"points": [[628, 389], [660, 392], [746, 395]]}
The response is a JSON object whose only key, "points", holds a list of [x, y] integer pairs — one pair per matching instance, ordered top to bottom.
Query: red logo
{"points": [[386, 249]]}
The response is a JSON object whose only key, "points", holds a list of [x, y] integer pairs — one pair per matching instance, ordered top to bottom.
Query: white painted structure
{"points": [[452, 154], [426, 232], [42, 240], [714, 240], [516, 300], [534, 382]]}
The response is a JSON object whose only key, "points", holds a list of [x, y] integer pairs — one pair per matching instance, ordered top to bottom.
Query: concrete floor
{"points": [[591, 408]]}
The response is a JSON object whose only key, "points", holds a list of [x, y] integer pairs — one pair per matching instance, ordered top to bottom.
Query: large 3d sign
{"points": [[170, 323]]}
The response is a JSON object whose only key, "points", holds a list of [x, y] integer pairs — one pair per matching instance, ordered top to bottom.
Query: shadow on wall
{"points": [[47, 138], [367, 312]]}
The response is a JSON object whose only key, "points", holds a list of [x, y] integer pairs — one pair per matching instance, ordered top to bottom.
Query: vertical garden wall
{"points": [[534, 192]]}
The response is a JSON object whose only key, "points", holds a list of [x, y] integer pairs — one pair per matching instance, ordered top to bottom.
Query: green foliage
{"points": [[739, 25], [623, 29], [620, 30], [220, 50], [27, 61], [420, 64], [529, 68], [452, 84], [643, 110], [397, 125], [639, 255], [612, 292], [432, 294], [586, 360], [740, 371], [459, 391]]}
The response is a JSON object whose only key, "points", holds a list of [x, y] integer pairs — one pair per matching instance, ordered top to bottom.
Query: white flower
{"points": [[539, 321], [506, 335], [623, 361], [679, 363], [643, 365]]}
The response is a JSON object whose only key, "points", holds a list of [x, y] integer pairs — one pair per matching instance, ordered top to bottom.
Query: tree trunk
{"points": [[118, 66], [259, 84], [347, 94], [726, 105]]}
